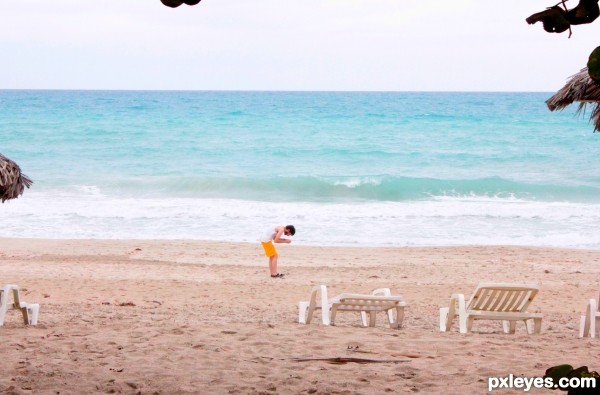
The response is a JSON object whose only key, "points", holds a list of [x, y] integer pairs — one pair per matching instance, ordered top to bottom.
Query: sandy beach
{"points": [[195, 317]]}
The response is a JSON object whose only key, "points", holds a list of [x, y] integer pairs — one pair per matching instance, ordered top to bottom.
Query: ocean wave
{"points": [[336, 189]]}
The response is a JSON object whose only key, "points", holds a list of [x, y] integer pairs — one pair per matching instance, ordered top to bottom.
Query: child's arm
{"points": [[278, 238]]}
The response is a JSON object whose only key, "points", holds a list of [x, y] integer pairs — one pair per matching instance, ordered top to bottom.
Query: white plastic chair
{"points": [[380, 299], [493, 301], [30, 311]]}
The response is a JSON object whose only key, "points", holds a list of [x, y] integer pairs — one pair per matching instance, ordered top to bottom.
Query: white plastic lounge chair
{"points": [[380, 299], [493, 301], [30, 311], [590, 319]]}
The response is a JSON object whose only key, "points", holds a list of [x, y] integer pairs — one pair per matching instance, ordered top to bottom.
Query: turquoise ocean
{"points": [[346, 168]]}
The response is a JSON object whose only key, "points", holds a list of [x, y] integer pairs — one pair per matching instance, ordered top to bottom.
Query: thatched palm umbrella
{"points": [[177, 3], [580, 88], [12, 181]]}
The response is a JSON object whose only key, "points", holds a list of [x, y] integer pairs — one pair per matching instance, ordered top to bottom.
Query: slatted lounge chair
{"points": [[379, 300], [493, 301], [30, 311], [590, 320]]}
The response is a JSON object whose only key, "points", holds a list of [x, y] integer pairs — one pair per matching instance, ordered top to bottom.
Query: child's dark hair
{"points": [[291, 229]]}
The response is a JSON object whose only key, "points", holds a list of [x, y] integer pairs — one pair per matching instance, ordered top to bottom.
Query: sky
{"points": [[325, 45]]}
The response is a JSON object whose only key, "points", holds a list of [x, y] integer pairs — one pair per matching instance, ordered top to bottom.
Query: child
{"points": [[273, 235]]}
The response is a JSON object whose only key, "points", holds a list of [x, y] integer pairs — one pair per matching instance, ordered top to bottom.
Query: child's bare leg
{"points": [[273, 264]]}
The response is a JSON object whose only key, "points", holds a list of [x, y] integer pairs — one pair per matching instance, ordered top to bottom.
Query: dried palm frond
{"points": [[579, 88], [12, 181]]}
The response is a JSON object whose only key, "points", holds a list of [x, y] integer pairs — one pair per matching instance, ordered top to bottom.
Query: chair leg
{"points": [[4, 300], [324, 304], [3, 306], [312, 306], [302, 307], [25, 312], [310, 312], [35, 313], [462, 313], [591, 313], [447, 314], [332, 315], [390, 315], [399, 317], [363, 318], [372, 318], [443, 319], [470, 321], [596, 321], [393, 322], [587, 322], [533, 325], [537, 325], [512, 326], [584, 326]]}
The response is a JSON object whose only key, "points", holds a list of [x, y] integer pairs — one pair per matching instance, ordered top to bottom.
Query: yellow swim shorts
{"points": [[269, 248]]}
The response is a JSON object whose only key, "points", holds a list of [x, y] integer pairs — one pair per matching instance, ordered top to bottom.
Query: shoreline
{"points": [[41, 243], [179, 316]]}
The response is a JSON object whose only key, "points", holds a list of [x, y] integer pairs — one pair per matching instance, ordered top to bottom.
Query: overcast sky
{"points": [[380, 45]]}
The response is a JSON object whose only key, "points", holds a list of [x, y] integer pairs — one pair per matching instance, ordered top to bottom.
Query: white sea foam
{"points": [[354, 182], [439, 221]]}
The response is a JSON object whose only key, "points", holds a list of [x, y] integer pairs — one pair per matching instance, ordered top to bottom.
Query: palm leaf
{"points": [[12, 181]]}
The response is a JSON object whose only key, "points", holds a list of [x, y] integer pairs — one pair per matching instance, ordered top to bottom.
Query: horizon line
{"points": [[264, 90]]}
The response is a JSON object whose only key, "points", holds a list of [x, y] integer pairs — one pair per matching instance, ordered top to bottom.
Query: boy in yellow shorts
{"points": [[273, 235]]}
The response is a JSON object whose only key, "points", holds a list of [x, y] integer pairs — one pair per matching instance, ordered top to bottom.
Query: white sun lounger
{"points": [[380, 299], [493, 301], [30, 311], [590, 320]]}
